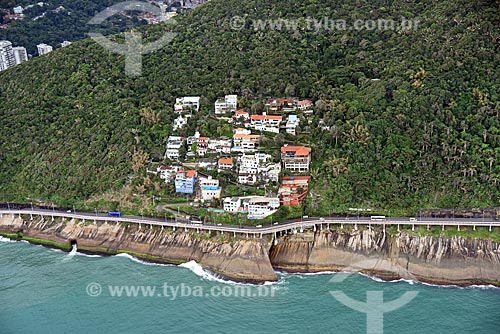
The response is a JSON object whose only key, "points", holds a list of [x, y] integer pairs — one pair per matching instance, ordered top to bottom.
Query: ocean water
{"points": [[50, 291]]}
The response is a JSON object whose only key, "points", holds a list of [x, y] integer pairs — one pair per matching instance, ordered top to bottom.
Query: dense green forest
{"points": [[56, 26], [413, 116]]}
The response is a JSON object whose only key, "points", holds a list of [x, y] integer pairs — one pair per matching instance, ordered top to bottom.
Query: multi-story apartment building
{"points": [[185, 181]]}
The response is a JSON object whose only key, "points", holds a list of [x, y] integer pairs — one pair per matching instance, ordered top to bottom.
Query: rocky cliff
{"points": [[236, 259], [438, 259]]}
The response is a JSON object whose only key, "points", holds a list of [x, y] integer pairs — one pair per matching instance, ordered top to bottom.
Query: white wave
{"points": [[4, 239], [74, 249], [88, 255], [133, 258], [198, 270]]}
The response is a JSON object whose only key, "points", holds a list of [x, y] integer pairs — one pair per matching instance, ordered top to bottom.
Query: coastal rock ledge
{"points": [[235, 259], [433, 259]]}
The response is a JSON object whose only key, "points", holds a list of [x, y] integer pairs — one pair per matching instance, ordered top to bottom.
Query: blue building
{"points": [[185, 181]]}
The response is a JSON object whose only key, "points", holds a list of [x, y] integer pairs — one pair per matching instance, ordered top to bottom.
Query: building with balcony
{"points": [[296, 158], [210, 188]]}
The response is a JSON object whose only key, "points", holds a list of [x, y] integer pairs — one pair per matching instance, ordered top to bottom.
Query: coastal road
{"points": [[296, 225]]}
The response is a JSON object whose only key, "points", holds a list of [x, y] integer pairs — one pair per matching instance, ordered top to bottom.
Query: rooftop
{"points": [[297, 150]]}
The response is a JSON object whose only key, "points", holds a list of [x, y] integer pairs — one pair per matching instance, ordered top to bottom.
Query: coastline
{"points": [[444, 261]]}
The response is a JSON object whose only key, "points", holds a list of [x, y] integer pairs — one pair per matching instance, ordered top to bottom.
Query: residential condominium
{"points": [[43, 49], [20, 54], [6, 56], [226, 105], [296, 158], [185, 181], [210, 188]]}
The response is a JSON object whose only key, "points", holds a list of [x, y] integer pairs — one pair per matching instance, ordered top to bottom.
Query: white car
{"points": [[258, 226]]}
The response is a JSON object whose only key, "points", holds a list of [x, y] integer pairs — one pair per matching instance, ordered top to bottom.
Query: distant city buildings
{"points": [[43, 49], [20, 54], [6, 55]]}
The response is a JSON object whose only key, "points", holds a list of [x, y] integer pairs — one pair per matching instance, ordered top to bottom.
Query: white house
{"points": [[187, 103], [226, 105], [179, 122], [264, 122], [291, 124], [242, 131], [174, 143], [245, 143], [168, 173], [269, 173], [210, 188], [257, 207]]}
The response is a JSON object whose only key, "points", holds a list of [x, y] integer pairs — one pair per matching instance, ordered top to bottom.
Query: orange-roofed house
{"points": [[304, 105], [241, 115], [270, 123], [245, 143], [202, 145], [296, 158], [225, 164], [185, 180], [293, 190]]}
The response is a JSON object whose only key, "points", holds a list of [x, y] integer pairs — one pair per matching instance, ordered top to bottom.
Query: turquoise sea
{"points": [[49, 291]]}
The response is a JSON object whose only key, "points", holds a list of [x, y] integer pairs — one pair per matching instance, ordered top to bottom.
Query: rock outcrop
{"points": [[236, 259], [436, 259]]}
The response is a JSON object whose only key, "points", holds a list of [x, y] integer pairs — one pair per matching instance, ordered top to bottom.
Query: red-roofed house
{"points": [[304, 105], [241, 115], [265, 122], [202, 145], [296, 158], [225, 164], [293, 190]]}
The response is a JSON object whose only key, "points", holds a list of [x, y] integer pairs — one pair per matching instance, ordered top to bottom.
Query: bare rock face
{"points": [[240, 259], [437, 259], [441, 260]]}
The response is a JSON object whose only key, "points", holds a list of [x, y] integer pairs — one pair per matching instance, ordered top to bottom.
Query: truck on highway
{"points": [[114, 214]]}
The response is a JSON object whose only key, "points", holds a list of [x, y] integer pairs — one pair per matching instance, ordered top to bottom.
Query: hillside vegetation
{"points": [[425, 133]]}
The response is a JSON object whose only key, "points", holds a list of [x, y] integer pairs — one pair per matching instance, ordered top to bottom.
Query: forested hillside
{"points": [[413, 116]]}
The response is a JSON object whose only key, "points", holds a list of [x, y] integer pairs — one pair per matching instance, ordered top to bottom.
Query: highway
{"points": [[297, 224]]}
